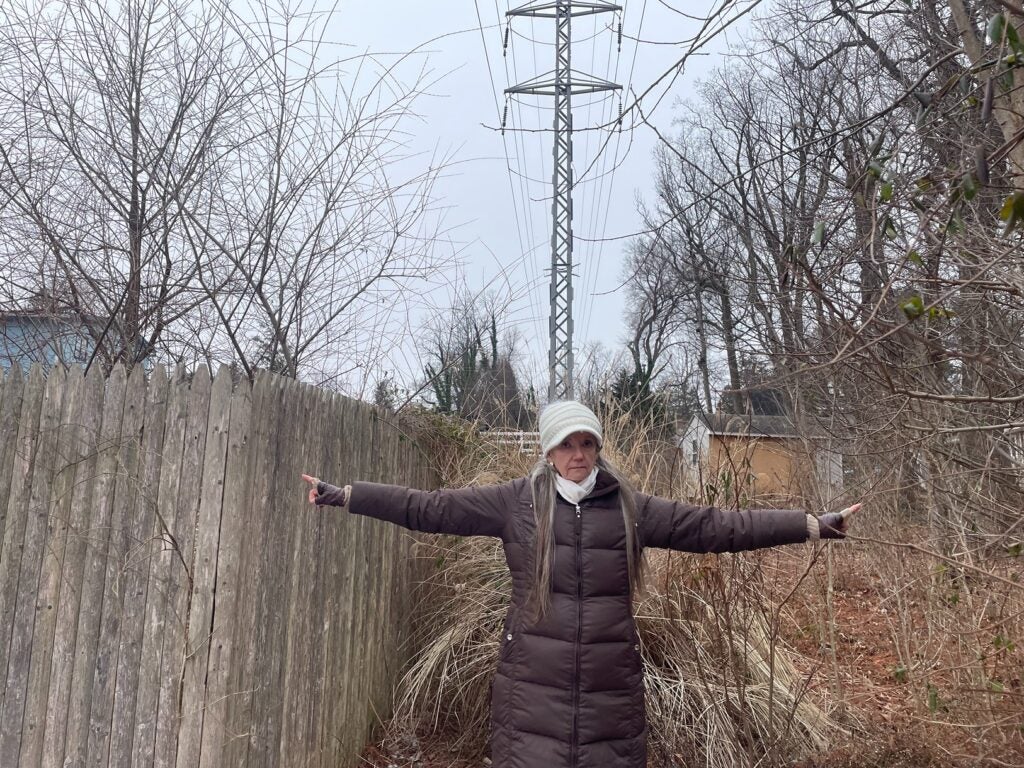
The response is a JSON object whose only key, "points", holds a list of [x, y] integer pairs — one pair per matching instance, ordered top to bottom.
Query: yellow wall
{"points": [[773, 469]]}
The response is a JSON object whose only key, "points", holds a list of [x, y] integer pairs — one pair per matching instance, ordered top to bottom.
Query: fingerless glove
{"points": [[332, 495], [825, 526], [830, 526]]}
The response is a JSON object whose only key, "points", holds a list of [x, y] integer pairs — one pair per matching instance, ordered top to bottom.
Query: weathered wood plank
{"points": [[197, 411], [10, 419], [86, 432], [87, 437], [367, 451], [361, 456], [17, 516], [327, 527], [235, 529], [119, 548], [161, 563], [275, 564], [135, 568], [204, 573], [335, 574], [341, 576], [49, 591], [90, 608], [26, 609], [315, 623], [303, 643], [353, 647], [240, 729]]}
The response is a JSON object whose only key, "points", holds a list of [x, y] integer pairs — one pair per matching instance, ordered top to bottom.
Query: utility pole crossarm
{"points": [[551, 10], [579, 84]]}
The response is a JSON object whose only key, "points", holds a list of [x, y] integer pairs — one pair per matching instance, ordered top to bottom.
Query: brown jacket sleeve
{"points": [[479, 511], [689, 528]]}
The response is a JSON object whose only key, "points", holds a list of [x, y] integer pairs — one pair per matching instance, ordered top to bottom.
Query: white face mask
{"points": [[575, 492]]}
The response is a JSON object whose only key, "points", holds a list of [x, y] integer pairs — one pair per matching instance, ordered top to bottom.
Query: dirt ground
{"points": [[892, 725]]}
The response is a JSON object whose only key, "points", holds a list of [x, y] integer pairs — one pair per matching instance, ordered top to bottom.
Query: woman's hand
{"points": [[313, 481], [325, 494], [834, 524]]}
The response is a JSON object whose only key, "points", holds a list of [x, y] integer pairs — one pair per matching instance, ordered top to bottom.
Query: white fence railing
{"points": [[525, 442]]}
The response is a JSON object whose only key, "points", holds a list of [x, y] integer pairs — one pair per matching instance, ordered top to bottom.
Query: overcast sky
{"points": [[497, 193]]}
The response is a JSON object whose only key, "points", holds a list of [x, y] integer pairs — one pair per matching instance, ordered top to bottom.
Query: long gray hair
{"points": [[542, 483]]}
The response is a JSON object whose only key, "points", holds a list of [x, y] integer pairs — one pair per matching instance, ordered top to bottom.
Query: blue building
{"points": [[37, 336]]}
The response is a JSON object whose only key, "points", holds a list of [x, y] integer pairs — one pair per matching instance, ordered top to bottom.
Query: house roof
{"points": [[47, 314], [747, 425]]}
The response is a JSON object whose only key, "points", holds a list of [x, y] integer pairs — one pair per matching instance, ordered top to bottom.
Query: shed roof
{"points": [[747, 425]]}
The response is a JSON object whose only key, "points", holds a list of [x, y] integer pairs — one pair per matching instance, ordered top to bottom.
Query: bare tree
{"points": [[214, 185], [467, 359]]}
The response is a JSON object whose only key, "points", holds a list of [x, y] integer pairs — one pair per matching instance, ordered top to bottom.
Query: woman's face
{"points": [[575, 457]]}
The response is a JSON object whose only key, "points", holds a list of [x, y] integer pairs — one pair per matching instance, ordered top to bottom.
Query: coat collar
{"points": [[605, 485]]}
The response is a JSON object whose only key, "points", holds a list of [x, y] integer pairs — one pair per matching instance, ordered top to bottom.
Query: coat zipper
{"points": [[579, 636]]}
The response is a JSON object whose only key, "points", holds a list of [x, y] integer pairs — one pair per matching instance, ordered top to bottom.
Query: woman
{"points": [[569, 688]]}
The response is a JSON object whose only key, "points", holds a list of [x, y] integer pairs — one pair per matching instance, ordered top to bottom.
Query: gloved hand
{"points": [[325, 493], [832, 525]]}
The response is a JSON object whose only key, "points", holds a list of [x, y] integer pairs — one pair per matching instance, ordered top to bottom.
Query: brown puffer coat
{"points": [[569, 690]]}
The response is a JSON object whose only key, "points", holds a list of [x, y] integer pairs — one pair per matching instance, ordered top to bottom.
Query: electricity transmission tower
{"points": [[563, 83]]}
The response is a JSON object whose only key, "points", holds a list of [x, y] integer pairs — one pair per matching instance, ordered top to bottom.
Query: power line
{"points": [[524, 185], [526, 245], [592, 265]]}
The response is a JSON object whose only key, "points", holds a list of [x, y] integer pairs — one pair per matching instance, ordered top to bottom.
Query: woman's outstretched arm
{"points": [[477, 511], [690, 528]]}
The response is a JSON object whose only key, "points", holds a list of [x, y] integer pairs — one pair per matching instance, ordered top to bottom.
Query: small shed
{"points": [[766, 455]]}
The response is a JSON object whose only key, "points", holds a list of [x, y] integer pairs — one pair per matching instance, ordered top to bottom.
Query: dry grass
{"points": [[462, 605], [722, 689]]}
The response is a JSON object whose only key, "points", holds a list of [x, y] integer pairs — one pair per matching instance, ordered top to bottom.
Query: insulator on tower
{"points": [[504, 47], [504, 118]]}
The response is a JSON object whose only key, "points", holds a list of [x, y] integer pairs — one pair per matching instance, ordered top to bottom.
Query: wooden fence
{"points": [[167, 596]]}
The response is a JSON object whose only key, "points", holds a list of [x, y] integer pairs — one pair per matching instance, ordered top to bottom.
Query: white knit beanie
{"points": [[561, 419]]}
